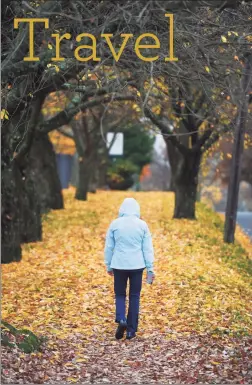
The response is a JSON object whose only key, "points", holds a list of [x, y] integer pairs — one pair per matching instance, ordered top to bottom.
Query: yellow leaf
{"points": [[224, 39], [50, 46], [49, 65], [207, 69], [4, 114], [81, 360]]}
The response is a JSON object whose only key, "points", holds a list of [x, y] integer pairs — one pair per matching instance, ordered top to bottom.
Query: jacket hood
{"points": [[129, 207]]}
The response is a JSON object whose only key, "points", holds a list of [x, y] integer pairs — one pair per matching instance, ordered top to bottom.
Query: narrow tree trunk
{"points": [[75, 171], [85, 172], [102, 177], [93, 179], [186, 183], [233, 189]]}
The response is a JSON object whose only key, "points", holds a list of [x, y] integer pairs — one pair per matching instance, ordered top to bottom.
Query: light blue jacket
{"points": [[128, 242]]}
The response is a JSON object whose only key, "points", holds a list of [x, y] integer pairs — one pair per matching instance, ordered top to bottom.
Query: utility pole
{"points": [[233, 188]]}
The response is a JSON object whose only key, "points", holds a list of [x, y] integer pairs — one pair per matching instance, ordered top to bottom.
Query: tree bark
{"points": [[173, 157], [43, 168], [75, 171], [85, 173], [102, 173], [93, 179], [186, 184], [29, 186], [233, 188], [40, 190], [185, 200], [30, 210], [10, 213], [21, 220]]}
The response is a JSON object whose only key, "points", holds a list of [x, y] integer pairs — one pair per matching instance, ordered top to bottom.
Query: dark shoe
{"points": [[120, 330], [130, 335]]}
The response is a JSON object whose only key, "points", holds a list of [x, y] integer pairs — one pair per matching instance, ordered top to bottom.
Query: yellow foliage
{"points": [[53, 66], [54, 103], [136, 107], [156, 109], [4, 114], [61, 143], [61, 284]]}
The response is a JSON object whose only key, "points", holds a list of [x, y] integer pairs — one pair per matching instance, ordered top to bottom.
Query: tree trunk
{"points": [[173, 157], [43, 169], [75, 171], [85, 173], [102, 173], [93, 180], [186, 183], [172, 184], [28, 188], [233, 188], [41, 190], [185, 199], [30, 211], [10, 213], [21, 220]]}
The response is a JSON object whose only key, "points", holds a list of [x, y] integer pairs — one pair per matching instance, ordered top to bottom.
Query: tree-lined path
{"points": [[195, 319]]}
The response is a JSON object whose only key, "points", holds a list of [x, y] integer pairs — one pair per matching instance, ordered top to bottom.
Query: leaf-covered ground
{"points": [[195, 324]]}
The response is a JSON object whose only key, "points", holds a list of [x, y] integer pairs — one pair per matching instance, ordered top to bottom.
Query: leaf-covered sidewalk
{"points": [[195, 320]]}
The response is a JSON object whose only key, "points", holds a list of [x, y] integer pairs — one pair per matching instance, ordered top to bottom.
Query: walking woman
{"points": [[128, 251]]}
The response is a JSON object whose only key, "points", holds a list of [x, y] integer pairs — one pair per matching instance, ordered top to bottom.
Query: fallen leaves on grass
{"points": [[61, 290], [149, 359]]}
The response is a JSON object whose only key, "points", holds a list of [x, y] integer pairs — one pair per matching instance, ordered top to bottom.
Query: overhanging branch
{"points": [[65, 116], [165, 131]]}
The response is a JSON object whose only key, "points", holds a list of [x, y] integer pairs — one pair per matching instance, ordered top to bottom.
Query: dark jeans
{"points": [[120, 285]]}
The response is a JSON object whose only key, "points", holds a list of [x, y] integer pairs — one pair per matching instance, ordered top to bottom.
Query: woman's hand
{"points": [[111, 273], [150, 277]]}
